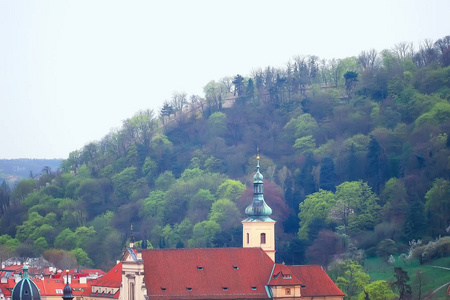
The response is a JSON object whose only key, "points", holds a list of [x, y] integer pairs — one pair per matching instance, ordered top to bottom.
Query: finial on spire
{"points": [[257, 153], [132, 240], [67, 292]]}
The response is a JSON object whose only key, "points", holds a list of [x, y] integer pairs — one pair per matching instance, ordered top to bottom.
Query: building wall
{"points": [[252, 236], [133, 287], [285, 292]]}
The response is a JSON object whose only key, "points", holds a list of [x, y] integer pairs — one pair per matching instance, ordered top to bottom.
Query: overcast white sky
{"points": [[70, 71]]}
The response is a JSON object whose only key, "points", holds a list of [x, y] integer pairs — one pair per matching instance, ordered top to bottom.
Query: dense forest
{"points": [[355, 153]]}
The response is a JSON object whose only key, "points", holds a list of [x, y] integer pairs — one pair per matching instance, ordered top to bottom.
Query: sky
{"points": [[72, 71]]}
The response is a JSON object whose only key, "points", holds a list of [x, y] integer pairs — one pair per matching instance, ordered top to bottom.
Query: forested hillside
{"points": [[355, 153]]}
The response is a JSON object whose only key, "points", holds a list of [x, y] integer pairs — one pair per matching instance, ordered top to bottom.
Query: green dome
{"points": [[258, 209], [25, 289]]}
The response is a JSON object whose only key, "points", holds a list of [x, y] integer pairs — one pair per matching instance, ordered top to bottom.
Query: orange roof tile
{"points": [[224, 273], [282, 275], [113, 278], [316, 281]]}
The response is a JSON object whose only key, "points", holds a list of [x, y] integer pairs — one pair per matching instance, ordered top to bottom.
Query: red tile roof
{"points": [[79, 273], [224, 273], [282, 275], [113, 278], [316, 281], [7, 287], [52, 287]]}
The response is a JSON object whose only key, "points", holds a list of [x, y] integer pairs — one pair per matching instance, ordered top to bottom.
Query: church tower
{"points": [[258, 227]]}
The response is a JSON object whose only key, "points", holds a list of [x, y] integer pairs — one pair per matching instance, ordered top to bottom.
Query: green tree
{"points": [[351, 80], [238, 82], [250, 90], [214, 93], [166, 110], [438, 114], [217, 125], [301, 126], [141, 128], [305, 144], [162, 149], [376, 165], [149, 170], [306, 178], [327, 179], [164, 181], [125, 183], [23, 188], [230, 189], [91, 192], [5, 195], [394, 197], [155, 205], [200, 205], [316, 205], [437, 205], [356, 207], [225, 213], [34, 221], [416, 221], [83, 234], [203, 234], [65, 240], [40, 245], [386, 248], [82, 258], [349, 277], [401, 283], [377, 290]]}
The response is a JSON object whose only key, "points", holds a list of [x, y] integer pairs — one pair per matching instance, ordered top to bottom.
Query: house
{"points": [[249, 272], [107, 287], [49, 288]]}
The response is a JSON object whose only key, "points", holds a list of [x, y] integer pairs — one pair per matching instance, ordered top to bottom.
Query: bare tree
{"points": [[443, 46], [403, 50], [427, 53], [368, 59], [228, 82], [179, 100]]}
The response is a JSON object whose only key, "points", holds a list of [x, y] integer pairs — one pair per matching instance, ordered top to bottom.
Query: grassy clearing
{"points": [[432, 277]]}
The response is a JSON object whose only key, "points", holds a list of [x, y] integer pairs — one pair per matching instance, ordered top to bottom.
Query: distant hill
{"points": [[12, 170]]}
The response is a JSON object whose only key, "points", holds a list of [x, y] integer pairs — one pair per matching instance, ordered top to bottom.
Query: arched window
{"points": [[248, 238], [263, 238]]}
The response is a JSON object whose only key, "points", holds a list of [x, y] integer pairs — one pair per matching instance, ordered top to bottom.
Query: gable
{"points": [[219, 273], [283, 276], [111, 279]]}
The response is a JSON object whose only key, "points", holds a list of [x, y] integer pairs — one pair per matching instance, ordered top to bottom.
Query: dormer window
{"points": [[236, 267], [199, 268], [287, 276], [189, 288], [225, 288], [254, 288], [163, 289]]}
